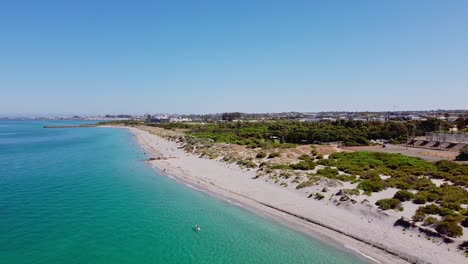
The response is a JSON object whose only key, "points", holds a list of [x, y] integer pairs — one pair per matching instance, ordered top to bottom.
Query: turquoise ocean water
{"points": [[87, 196]]}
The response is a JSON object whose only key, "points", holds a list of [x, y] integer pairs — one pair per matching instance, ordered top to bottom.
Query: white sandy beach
{"points": [[357, 227]]}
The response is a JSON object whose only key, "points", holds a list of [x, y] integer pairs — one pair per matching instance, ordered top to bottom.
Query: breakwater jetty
{"points": [[74, 126]]}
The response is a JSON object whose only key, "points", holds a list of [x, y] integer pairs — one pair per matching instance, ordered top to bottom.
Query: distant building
{"points": [[180, 119], [159, 120]]}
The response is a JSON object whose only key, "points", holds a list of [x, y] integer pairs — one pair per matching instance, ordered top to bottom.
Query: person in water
{"points": [[197, 227]]}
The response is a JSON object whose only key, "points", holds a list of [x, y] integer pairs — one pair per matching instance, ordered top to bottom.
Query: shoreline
{"points": [[273, 214], [287, 219], [376, 251]]}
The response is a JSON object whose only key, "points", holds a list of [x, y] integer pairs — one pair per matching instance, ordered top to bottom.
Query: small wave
{"points": [[7, 134], [174, 178], [193, 187], [229, 201], [238, 204], [360, 253]]}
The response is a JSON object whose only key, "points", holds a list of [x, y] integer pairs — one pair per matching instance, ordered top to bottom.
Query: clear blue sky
{"points": [[59, 57]]}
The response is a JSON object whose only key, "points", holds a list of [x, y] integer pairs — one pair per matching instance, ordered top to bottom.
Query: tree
{"points": [[230, 116], [460, 123], [433, 124], [397, 130], [463, 155]]}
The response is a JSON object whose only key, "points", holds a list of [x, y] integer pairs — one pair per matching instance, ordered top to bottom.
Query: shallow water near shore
{"points": [[86, 195]]}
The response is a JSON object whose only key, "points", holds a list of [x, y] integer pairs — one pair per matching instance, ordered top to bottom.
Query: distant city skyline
{"points": [[120, 57], [431, 112]]}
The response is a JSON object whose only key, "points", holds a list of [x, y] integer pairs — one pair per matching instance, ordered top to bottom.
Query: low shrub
{"points": [[314, 151], [261, 155], [274, 155], [304, 157], [327, 162], [247, 163], [303, 165], [281, 167], [328, 172], [285, 174], [370, 175], [306, 183], [369, 186], [353, 191], [348, 192], [403, 195], [319, 196], [424, 197], [420, 200], [390, 203], [451, 205], [430, 209], [436, 210], [419, 216], [457, 218], [429, 221], [449, 228]]}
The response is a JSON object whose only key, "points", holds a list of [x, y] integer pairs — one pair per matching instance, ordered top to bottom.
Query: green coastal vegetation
{"points": [[284, 133], [375, 172], [412, 176], [390, 203]]}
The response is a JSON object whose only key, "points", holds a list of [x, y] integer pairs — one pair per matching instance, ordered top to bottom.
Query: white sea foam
{"points": [[193, 187], [238, 204], [360, 253]]}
